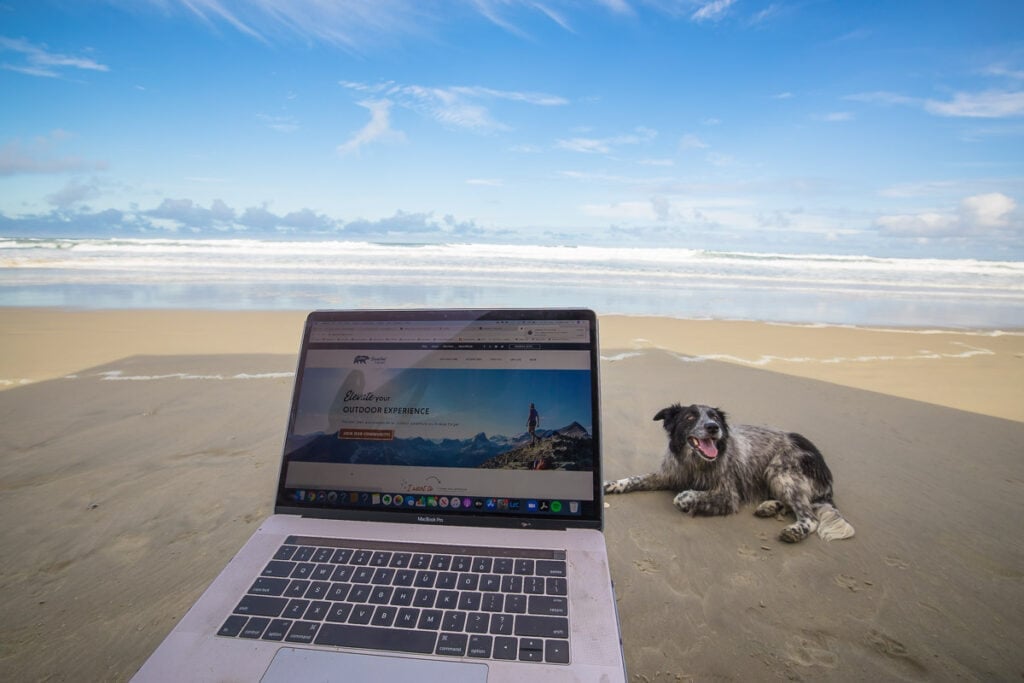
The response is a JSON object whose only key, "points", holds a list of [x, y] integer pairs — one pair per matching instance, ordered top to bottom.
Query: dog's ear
{"points": [[667, 414]]}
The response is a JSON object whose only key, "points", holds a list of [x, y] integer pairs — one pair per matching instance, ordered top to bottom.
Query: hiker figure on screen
{"points": [[532, 422]]}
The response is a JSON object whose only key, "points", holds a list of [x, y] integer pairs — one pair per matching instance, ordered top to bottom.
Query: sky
{"points": [[798, 126]]}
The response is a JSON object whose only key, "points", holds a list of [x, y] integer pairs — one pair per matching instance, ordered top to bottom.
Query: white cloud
{"points": [[712, 11], [40, 61], [990, 104], [458, 106], [379, 127], [690, 141], [606, 145], [38, 156], [991, 210], [977, 214]]}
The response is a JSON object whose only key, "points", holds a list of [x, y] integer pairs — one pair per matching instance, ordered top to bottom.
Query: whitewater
{"points": [[682, 283]]}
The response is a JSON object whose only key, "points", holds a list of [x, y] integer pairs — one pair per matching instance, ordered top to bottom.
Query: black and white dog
{"points": [[717, 467]]}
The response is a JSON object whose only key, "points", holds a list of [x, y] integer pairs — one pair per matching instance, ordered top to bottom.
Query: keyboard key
{"points": [[285, 552], [304, 554], [322, 555], [341, 556], [361, 557], [380, 559], [400, 560], [420, 561], [441, 562], [460, 563], [482, 565], [503, 565], [524, 567], [279, 568], [551, 568], [303, 570], [322, 572], [343, 572], [362, 575], [383, 576], [404, 577], [425, 579], [446, 580], [468, 582], [490, 583], [511, 584], [533, 585], [268, 586], [557, 586], [297, 588], [317, 590], [338, 592], [360, 593], [381, 595], [403, 596], [425, 597], [447, 600], [469, 601], [492, 602], [515, 604], [551, 605], [261, 606], [295, 609], [317, 611], [339, 612], [361, 614], [384, 616], [408, 617], [430, 620], [454, 621], [477, 622], [501, 624], [233, 625], [254, 627], [542, 627], [277, 629], [302, 632], [371, 638], [453, 644], [479, 646], [505, 647], [531, 650], [556, 651]]}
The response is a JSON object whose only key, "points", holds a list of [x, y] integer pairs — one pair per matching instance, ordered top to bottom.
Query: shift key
{"points": [[261, 606]]}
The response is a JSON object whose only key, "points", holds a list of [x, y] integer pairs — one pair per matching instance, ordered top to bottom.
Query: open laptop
{"points": [[438, 512]]}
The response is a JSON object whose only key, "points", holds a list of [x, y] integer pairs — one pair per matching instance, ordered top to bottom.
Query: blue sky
{"points": [[882, 128]]}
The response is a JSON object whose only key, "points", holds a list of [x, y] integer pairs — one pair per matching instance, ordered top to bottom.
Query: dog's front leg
{"points": [[655, 481], [714, 502]]}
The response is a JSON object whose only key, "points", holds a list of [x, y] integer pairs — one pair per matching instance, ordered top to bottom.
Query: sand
{"points": [[138, 451]]}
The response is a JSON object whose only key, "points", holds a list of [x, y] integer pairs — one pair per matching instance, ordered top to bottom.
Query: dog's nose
{"points": [[712, 428]]}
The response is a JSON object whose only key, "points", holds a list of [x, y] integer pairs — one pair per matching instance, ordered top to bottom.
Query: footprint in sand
{"points": [[896, 562], [811, 649], [896, 653]]}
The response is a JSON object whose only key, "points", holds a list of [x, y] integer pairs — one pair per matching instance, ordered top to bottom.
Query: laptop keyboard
{"points": [[487, 603]]}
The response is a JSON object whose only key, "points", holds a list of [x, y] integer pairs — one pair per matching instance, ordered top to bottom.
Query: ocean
{"points": [[680, 283]]}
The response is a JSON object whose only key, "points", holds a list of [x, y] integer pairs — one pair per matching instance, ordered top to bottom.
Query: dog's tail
{"points": [[831, 525]]}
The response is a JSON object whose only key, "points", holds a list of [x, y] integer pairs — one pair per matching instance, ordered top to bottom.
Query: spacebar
{"points": [[369, 638]]}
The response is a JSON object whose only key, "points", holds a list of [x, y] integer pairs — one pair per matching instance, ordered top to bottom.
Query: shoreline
{"points": [[981, 371]]}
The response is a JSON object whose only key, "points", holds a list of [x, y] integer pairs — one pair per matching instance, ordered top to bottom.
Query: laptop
{"points": [[438, 512]]}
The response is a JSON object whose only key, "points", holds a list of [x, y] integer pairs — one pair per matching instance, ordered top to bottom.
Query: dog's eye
{"points": [[690, 417]]}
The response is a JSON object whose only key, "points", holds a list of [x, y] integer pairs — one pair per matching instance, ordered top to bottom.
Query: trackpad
{"points": [[294, 664]]}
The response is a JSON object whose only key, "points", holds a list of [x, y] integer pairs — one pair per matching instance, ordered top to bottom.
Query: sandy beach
{"points": [[139, 450]]}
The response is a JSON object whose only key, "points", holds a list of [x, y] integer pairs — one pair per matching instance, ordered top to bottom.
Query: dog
{"points": [[716, 467]]}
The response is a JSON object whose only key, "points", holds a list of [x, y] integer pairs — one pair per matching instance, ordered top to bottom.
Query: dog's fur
{"points": [[717, 467]]}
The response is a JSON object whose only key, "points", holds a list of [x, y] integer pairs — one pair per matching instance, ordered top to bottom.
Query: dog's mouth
{"points": [[705, 447]]}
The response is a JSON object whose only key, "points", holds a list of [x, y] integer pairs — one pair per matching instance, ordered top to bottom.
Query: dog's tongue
{"points": [[708, 448]]}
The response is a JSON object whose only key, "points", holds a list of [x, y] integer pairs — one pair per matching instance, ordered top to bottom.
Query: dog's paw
{"points": [[616, 486], [686, 501], [769, 508]]}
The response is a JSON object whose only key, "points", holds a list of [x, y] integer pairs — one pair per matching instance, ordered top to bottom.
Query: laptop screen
{"points": [[446, 416]]}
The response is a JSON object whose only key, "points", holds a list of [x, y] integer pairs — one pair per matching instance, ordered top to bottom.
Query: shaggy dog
{"points": [[717, 467]]}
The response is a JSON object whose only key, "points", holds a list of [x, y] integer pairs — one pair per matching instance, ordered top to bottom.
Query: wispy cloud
{"points": [[712, 11], [38, 60], [991, 104], [455, 106], [378, 128], [606, 145], [977, 214]]}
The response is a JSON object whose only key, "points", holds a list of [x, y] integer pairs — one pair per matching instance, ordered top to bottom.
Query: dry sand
{"points": [[138, 451]]}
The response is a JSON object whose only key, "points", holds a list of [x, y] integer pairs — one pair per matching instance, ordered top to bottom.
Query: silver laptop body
{"points": [[438, 512]]}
